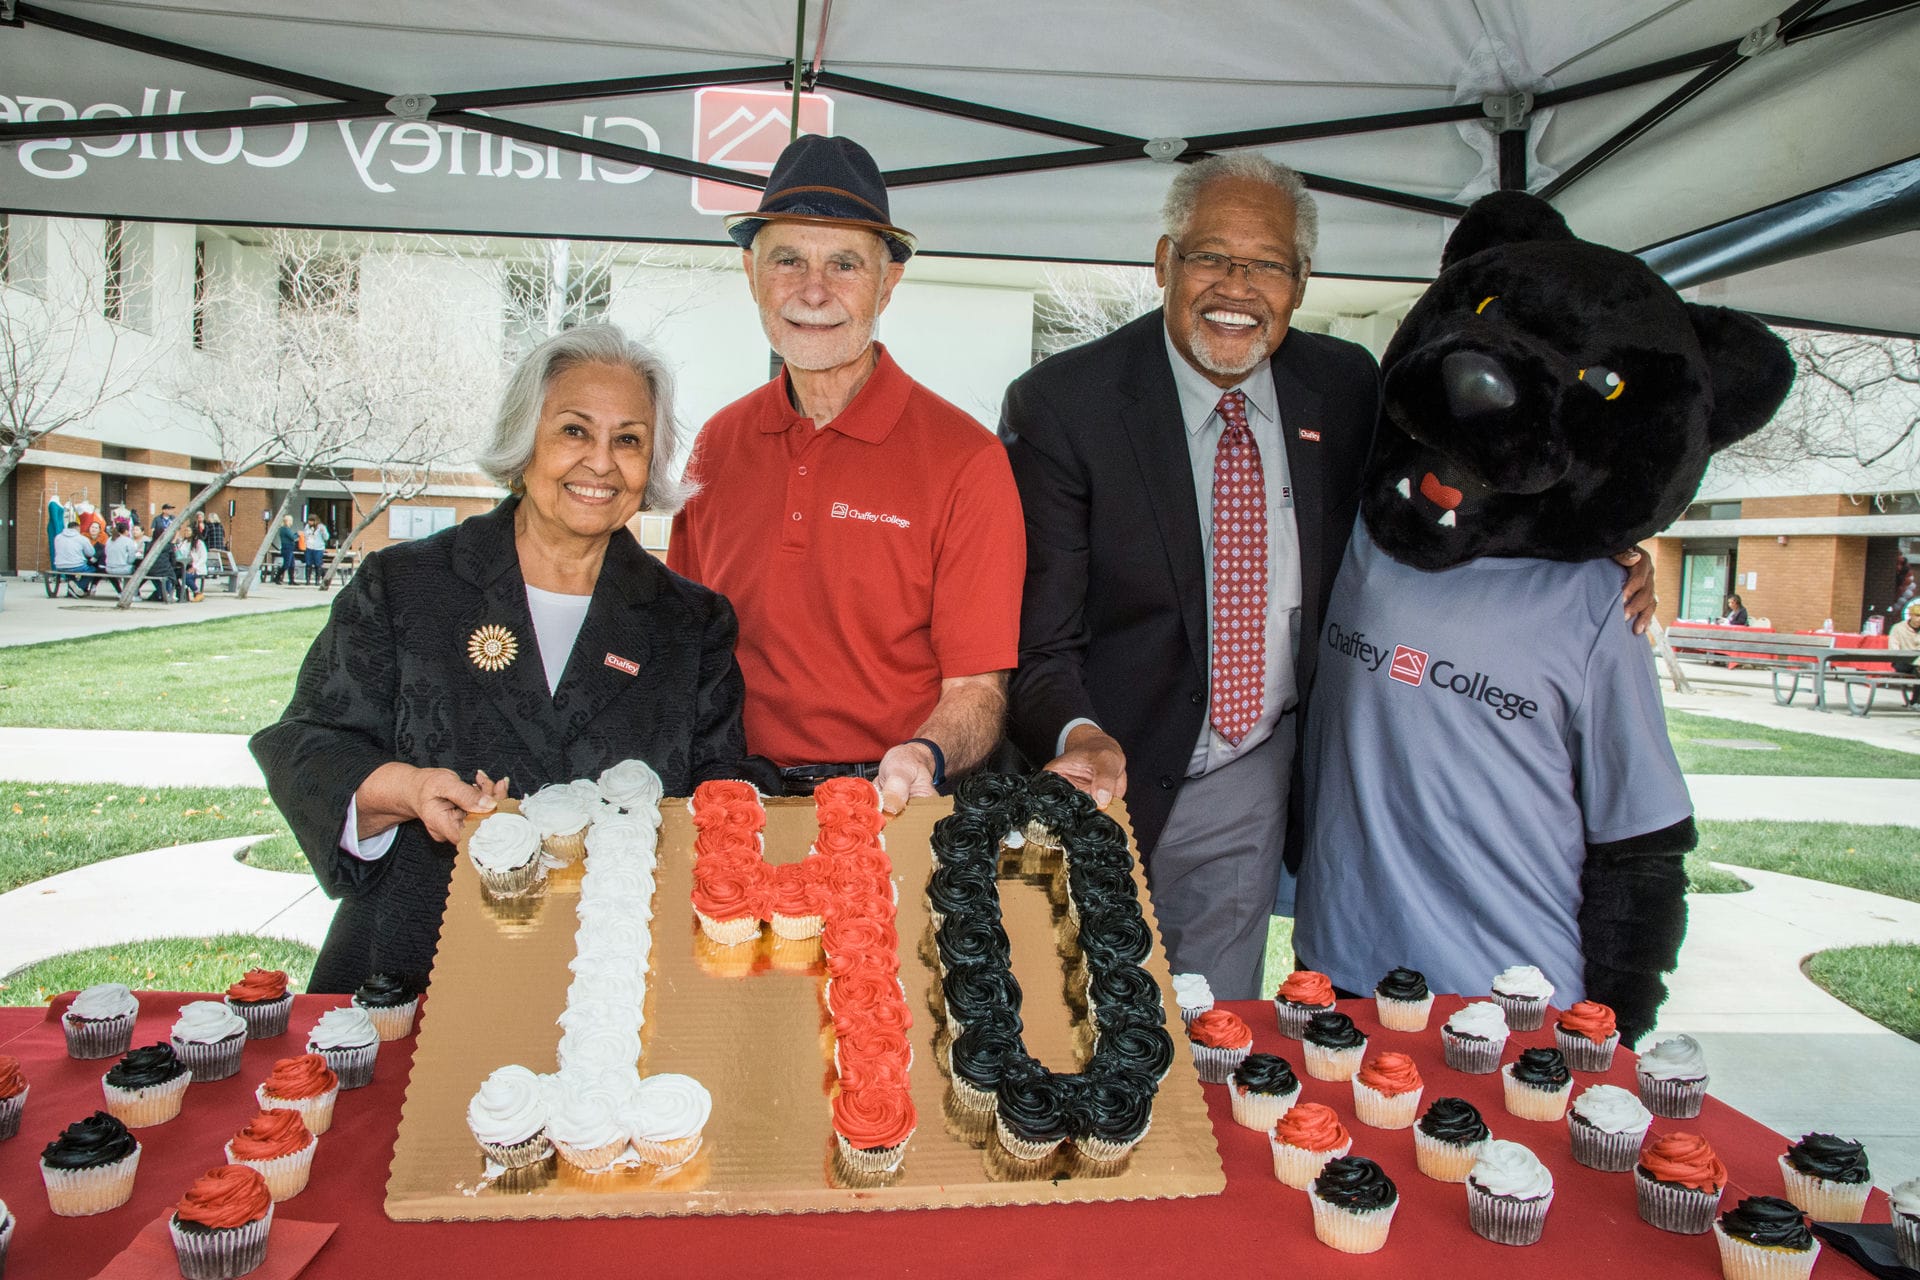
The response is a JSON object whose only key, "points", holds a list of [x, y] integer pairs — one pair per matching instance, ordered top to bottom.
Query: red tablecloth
{"points": [[1258, 1227]]}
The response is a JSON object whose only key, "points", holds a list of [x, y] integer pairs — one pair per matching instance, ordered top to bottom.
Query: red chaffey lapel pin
{"points": [[1314, 436], [627, 665]]}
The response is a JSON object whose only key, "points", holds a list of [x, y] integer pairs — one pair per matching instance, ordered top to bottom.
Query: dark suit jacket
{"points": [[1113, 622], [390, 679]]}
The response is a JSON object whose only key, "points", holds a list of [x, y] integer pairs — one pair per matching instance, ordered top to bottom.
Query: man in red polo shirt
{"points": [[867, 532]]}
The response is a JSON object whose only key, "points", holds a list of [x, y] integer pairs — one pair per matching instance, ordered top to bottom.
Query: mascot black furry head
{"points": [[1554, 398]]}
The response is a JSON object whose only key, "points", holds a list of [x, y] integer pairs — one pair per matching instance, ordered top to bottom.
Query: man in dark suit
{"points": [[1194, 474]]}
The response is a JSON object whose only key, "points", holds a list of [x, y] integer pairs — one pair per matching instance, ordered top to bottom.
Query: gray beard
{"points": [[1213, 362]]}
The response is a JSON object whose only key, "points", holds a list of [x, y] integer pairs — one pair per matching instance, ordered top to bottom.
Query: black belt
{"points": [[801, 779]]}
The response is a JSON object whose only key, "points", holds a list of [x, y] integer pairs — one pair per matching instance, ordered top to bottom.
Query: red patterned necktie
{"points": [[1239, 678]]}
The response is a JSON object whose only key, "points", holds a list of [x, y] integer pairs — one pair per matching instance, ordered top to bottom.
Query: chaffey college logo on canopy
{"points": [[747, 129]]}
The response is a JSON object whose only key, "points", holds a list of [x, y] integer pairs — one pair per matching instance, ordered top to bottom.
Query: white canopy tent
{"points": [[1769, 156]]}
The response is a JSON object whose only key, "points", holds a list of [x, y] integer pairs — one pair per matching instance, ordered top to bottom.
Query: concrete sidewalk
{"points": [[29, 617], [1747, 695], [130, 757]]}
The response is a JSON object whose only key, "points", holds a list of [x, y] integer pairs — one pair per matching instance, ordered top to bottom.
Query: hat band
{"points": [[844, 194]]}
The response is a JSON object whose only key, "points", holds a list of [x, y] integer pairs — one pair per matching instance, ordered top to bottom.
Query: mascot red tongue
{"points": [[1548, 402]]}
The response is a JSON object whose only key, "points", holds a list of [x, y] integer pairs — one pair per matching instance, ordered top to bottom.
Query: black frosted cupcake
{"points": [[978, 992], [1403, 1001], [389, 1002], [1334, 1046], [1134, 1047], [977, 1060], [1537, 1085], [147, 1086], [1263, 1088], [1032, 1111], [1112, 1113], [1448, 1139], [89, 1168], [1828, 1177], [1353, 1203], [1765, 1238]]}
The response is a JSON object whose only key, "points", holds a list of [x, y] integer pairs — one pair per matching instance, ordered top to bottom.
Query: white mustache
{"points": [[801, 315]]}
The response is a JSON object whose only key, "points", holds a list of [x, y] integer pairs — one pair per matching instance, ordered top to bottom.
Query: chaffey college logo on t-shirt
{"points": [[843, 511], [1408, 665], [1416, 667]]}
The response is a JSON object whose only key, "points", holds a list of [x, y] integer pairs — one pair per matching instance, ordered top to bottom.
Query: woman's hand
{"points": [[396, 793]]}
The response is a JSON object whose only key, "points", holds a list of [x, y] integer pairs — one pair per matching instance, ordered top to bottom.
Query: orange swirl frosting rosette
{"points": [[842, 841], [727, 891], [790, 894], [259, 984], [1305, 986], [1589, 1018], [1220, 1029], [1390, 1073], [307, 1076], [12, 1080], [874, 1119], [1311, 1126], [270, 1135], [1685, 1159], [230, 1196]]}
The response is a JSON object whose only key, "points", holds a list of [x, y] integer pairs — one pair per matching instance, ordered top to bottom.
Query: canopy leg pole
{"points": [[799, 61]]}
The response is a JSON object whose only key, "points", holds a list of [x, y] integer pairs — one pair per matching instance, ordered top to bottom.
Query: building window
{"points": [[23, 251], [320, 282], [127, 283], [588, 293], [199, 295], [114, 302], [535, 308], [1713, 511], [404, 522]]}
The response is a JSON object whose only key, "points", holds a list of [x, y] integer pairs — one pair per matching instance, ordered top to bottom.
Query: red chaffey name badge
{"points": [[627, 665]]}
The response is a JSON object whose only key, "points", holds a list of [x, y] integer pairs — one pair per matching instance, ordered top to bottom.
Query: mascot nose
{"points": [[1476, 384]]}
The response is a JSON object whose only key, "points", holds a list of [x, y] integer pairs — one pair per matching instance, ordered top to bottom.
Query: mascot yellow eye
{"points": [[1484, 302], [1605, 381]]}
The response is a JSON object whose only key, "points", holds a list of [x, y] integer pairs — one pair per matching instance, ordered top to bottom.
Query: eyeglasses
{"points": [[1261, 273]]}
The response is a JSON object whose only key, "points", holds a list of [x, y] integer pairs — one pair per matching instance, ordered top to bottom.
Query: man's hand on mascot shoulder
{"points": [[1638, 592]]}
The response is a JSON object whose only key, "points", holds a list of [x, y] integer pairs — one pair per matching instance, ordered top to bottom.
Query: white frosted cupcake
{"points": [[630, 786], [561, 816], [504, 849], [1522, 992], [1193, 994], [99, 1022], [208, 1038], [1474, 1038], [349, 1042], [1673, 1077], [508, 1118], [665, 1118], [1607, 1125], [587, 1128], [1508, 1194], [1905, 1201], [6, 1235]]}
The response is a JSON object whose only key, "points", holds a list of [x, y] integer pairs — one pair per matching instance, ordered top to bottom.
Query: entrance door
{"points": [[1704, 589]]}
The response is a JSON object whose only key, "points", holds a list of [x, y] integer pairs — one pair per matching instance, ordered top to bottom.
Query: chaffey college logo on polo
{"points": [[844, 511]]}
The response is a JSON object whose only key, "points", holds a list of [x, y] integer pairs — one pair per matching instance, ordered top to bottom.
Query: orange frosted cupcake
{"points": [[725, 898], [795, 904], [1304, 993], [262, 999], [1587, 1036], [1220, 1042], [305, 1084], [1386, 1091], [13, 1096], [871, 1128], [1303, 1140], [278, 1146], [1678, 1181], [220, 1225]]}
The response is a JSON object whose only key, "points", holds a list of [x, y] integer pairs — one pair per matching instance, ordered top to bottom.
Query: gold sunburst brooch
{"points": [[492, 648]]}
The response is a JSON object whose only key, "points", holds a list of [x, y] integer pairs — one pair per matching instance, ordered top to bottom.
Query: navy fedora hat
{"points": [[830, 181]]}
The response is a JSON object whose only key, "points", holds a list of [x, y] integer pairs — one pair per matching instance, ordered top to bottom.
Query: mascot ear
{"points": [[1503, 217], [1752, 371]]}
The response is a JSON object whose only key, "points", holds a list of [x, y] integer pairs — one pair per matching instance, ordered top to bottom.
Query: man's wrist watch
{"points": [[939, 758]]}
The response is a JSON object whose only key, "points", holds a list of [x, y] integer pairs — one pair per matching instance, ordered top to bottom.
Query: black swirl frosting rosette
{"points": [[147, 1086], [1107, 1107], [1447, 1139], [89, 1168], [1828, 1177], [1353, 1204]]}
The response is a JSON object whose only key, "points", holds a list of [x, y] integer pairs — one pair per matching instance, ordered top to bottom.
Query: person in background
{"points": [[288, 537], [216, 544], [315, 550], [122, 553], [73, 554], [195, 565], [165, 573], [1735, 613], [1906, 635]]}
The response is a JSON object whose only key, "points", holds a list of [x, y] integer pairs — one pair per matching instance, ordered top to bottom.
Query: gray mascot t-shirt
{"points": [[1471, 731]]}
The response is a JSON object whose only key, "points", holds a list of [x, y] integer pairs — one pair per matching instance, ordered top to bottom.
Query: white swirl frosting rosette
{"points": [[631, 785], [561, 816], [503, 849], [1522, 992], [1193, 993], [99, 1022], [1474, 1037], [208, 1039], [349, 1042], [1673, 1077], [665, 1116], [508, 1118], [1607, 1124], [587, 1128], [1508, 1193], [1905, 1202]]}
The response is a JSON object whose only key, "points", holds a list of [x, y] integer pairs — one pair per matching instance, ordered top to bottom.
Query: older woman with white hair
{"points": [[534, 644]]}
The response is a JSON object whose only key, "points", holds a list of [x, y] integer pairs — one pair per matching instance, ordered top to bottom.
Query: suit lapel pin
{"points": [[1313, 436], [492, 648], [627, 665]]}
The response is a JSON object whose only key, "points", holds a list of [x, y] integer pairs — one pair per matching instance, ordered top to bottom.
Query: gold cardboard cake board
{"points": [[750, 1023]]}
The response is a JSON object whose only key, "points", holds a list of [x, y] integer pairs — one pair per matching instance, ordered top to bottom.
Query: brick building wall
{"points": [[1805, 581]]}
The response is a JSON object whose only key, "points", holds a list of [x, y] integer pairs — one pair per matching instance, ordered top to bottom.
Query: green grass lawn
{"points": [[232, 675], [1801, 755], [47, 828], [1881, 859], [161, 964], [1882, 982]]}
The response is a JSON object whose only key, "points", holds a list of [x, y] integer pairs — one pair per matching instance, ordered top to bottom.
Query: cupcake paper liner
{"points": [[566, 849], [522, 882], [797, 928], [729, 933], [1524, 1013], [1188, 1015], [1403, 1015], [265, 1018], [1293, 1018], [390, 1022], [98, 1037], [1583, 1054], [1474, 1056], [210, 1062], [353, 1063], [1332, 1064], [1216, 1065], [971, 1097], [1671, 1099], [1530, 1103], [141, 1108], [1261, 1110], [1386, 1110], [10, 1112], [316, 1112], [1024, 1148], [1595, 1148], [1102, 1150], [518, 1155], [667, 1155], [591, 1159], [871, 1160], [1444, 1161], [1297, 1166], [286, 1175], [80, 1193], [1823, 1199], [1671, 1207], [1505, 1219], [1351, 1231], [6, 1238], [1906, 1239], [221, 1254], [1745, 1260]]}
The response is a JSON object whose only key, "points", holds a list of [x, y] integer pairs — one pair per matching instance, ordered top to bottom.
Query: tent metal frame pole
{"points": [[799, 66], [981, 112], [1513, 159]]}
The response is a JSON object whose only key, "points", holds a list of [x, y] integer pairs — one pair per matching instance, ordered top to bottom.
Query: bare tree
{"points": [[1079, 304], [61, 358], [1855, 400]]}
